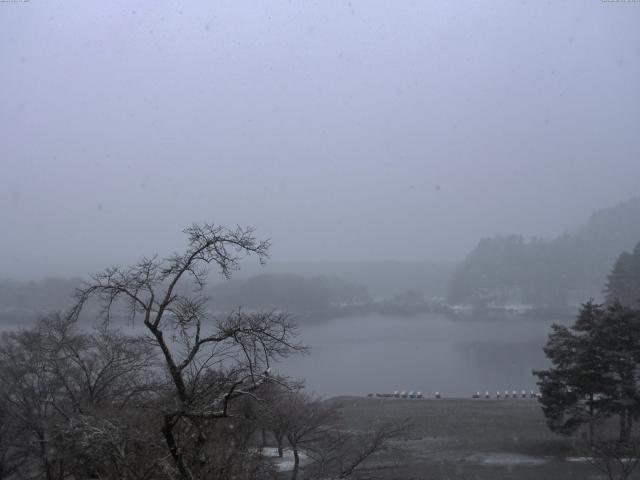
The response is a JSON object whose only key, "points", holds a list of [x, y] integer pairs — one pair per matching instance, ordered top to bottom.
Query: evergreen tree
{"points": [[623, 283], [619, 338], [594, 373], [572, 390]]}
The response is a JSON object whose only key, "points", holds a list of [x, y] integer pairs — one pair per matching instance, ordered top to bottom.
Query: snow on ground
{"points": [[500, 458], [589, 459], [285, 463]]}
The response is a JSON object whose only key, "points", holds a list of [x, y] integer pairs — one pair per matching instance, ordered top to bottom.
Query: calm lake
{"points": [[431, 352], [455, 356]]}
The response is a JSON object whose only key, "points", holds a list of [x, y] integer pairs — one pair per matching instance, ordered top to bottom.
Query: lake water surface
{"points": [[431, 352], [455, 356]]}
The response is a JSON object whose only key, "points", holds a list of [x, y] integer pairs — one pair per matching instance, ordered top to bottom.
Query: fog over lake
{"points": [[219, 217], [377, 354]]}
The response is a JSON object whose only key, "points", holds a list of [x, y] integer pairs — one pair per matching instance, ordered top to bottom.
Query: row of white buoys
{"points": [[400, 394], [407, 394], [499, 394], [507, 394]]}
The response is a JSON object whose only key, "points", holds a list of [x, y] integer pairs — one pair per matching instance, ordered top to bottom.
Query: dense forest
{"points": [[561, 271]]}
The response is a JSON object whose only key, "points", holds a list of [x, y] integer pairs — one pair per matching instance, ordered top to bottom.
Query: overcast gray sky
{"points": [[341, 129]]}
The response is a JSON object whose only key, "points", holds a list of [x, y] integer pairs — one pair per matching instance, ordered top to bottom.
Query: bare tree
{"points": [[166, 295], [100, 369], [61, 387], [30, 393], [274, 411], [304, 420], [308, 423], [115, 446], [341, 452], [11, 459], [616, 460]]}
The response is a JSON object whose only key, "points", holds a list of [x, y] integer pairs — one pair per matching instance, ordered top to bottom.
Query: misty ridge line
{"points": [[491, 275]]}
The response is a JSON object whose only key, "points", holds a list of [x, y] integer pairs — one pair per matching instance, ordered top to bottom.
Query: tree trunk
{"points": [[591, 420], [167, 431], [624, 432], [279, 438], [42, 442], [296, 462]]}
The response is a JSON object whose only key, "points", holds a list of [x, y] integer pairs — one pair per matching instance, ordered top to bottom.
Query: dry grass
{"points": [[466, 439]]}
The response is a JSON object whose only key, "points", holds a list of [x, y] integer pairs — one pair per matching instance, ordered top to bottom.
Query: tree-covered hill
{"points": [[565, 270], [623, 283], [288, 292]]}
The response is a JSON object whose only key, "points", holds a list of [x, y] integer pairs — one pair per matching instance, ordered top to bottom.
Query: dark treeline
{"points": [[557, 272]]}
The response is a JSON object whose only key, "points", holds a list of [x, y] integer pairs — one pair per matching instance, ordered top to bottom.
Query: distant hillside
{"points": [[566, 270], [382, 279], [319, 289], [287, 292]]}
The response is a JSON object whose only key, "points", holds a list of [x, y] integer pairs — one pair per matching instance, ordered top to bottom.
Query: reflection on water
{"points": [[457, 357]]}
